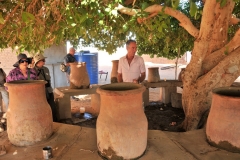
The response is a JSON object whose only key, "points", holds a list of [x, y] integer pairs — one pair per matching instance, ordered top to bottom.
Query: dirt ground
{"points": [[160, 116]]}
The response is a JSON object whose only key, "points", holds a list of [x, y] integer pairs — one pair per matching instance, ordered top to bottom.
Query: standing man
{"points": [[69, 58], [131, 68]]}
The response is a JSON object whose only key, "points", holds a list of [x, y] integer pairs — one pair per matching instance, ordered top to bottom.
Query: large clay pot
{"points": [[114, 73], [153, 74], [79, 78], [95, 104], [29, 117], [121, 125], [223, 127]]}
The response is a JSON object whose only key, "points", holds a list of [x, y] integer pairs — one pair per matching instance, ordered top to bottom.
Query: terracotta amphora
{"points": [[114, 72], [153, 74], [79, 78], [95, 104], [29, 116], [223, 121], [121, 125]]}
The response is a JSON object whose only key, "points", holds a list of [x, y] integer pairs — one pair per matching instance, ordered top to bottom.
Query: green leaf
{"points": [[175, 3], [223, 3], [144, 5], [193, 9], [27, 17], [83, 18], [1, 19], [101, 22], [125, 27], [160, 29]]}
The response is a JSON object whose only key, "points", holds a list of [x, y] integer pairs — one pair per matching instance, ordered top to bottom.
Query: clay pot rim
{"points": [[78, 63], [153, 67], [24, 82], [105, 89], [220, 91]]}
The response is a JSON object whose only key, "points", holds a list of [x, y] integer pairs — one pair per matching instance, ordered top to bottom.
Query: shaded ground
{"points": [[159, 116], [163, 117]]}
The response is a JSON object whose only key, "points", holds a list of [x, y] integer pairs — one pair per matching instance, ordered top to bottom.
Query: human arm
{"points": [[143, 72], [4, 74], [12, 76], [119, 77], [140, 79]]}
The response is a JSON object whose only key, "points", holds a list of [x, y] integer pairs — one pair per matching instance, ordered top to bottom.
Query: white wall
{"points": [[55, 55]]}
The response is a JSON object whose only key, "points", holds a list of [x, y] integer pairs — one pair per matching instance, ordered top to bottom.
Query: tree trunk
{"points": [[215, 60], [197, 95], [196, 101]]}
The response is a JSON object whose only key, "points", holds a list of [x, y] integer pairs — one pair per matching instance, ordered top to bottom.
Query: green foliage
{"points": [[222, 2], [193, 9], [1, 19], [36, 25]]}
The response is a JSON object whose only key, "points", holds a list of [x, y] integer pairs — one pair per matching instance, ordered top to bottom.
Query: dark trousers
{"points": [[50, 100]]}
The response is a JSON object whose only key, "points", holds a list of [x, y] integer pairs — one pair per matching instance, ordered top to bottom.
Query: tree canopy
{"points": [[34, 25]]}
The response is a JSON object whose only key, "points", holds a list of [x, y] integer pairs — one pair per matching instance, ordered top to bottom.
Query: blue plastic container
{"points": [[92, 64]]}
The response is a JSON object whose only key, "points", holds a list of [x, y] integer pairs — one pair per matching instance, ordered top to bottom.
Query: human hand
{"points": [[135, 81]]}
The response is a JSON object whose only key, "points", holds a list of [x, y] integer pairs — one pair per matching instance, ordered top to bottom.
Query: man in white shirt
{"points": [[131, 68]]}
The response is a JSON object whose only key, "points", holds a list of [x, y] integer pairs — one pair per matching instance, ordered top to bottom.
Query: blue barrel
{"points": [[92, 64]]}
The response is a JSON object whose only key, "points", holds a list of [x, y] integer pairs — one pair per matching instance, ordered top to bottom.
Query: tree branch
{"points": [[155, 9], [128, 11], [8, 16], [222, 17], [208, 19], [234, 20], [201, 44], [213, 59], [223, 74]]}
